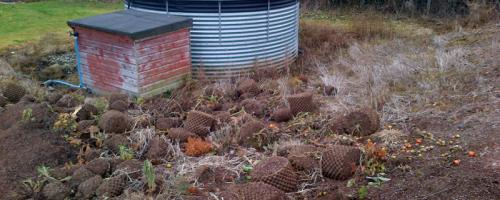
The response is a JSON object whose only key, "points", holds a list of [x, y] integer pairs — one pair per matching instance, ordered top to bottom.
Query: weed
{"points": [[167, 94], [79, 98], [213, 99], [139, 101], [101, 104], [27, 115], [65, 123], [100, 137], [125, 152], [373, 166], [44, 172], [149, 173], [35, 186], [363, 192]]}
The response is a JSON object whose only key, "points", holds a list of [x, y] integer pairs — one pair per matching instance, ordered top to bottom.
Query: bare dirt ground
{"points": [[428, 127]]}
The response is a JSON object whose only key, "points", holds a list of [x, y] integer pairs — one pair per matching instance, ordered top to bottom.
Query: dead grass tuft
{"points": [[481, 13], [372, 25], [319, 41], [26, 57], [197, 147]]}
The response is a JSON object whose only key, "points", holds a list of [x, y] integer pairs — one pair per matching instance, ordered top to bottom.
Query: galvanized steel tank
{"points": [[232, 37]]}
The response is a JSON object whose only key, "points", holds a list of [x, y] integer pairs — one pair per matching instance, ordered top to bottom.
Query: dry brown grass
{"points": [[480, 14], [372, 25], [319, 41], [24, 58], [197, 147]]}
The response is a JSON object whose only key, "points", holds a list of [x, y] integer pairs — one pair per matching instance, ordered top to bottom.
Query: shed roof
{"points": [[134, 24]]}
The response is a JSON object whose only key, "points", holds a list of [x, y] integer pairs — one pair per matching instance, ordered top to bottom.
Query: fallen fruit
{"points": [[273, 126], [418, 141], [471, 154], [456, 162]]}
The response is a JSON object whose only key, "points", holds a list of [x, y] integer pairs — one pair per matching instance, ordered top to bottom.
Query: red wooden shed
{"points": [[138, 53]]}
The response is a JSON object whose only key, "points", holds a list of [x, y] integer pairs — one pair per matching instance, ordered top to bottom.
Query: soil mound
{"points": [[247, 87], [117, 97], [67, 101], [119, 105], [253, 107], [87, 111], [282, 115], [114, 122], [361, 122], [165, 123], [247, 132], [180, 134], [114, 141], [158, 148], [22, 149], [304, 157], [98, 166], [87, 189]]}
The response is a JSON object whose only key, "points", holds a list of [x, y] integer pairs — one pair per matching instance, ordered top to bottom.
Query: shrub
{"points": [[197, 147]]}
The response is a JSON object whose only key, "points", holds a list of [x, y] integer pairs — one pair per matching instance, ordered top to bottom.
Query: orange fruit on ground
{"points": [[418, 141], [471, 154], [456, 162]]}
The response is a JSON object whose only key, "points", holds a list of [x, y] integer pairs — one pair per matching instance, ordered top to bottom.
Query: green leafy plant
{"points": [[167, 94], [78, 97], [213, 98], [139, 101], [101, 104], [27, 115], [125, 152], [44, 172], [149, 172], [363, 192]]}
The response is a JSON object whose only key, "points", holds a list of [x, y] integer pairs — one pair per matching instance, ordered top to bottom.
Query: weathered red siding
{"points": [[150, 66]]}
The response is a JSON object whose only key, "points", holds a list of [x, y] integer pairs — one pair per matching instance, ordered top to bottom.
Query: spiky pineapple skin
{"points": [[14, 92]]}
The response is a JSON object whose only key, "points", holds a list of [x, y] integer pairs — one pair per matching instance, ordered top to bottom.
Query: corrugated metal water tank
{"points": [[231, 37]]}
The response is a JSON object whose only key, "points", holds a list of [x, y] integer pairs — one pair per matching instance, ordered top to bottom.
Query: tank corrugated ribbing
{"points": [[231, 38]]}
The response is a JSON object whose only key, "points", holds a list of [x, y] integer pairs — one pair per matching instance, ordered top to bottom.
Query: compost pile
{"points": [[237, 140]]}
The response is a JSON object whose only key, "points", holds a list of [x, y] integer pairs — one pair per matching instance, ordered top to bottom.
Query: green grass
{"points": [[24, 22]]}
